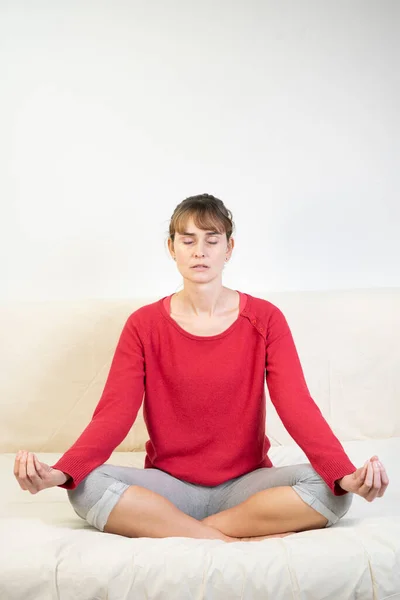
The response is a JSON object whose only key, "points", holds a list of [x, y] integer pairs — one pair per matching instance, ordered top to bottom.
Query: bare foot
{"points": [[264, 537]]}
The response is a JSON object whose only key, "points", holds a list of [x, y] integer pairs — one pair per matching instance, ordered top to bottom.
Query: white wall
{"points": [[111, 113]]}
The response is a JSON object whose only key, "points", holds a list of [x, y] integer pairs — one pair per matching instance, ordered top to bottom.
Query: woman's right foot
{"points": [[261, 537]]}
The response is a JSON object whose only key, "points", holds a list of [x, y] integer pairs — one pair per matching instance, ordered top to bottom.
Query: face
{"points": [[196, 246]]}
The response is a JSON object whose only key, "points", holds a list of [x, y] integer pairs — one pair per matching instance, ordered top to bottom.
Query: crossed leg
{"points": [[278, 510]]}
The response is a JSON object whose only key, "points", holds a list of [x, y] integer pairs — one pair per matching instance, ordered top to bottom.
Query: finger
{"points": [[17, 464], [38, 466], [22, 470], [31, 472], [23, 473], [363, 473], [377, 475], [384, 480], [367, 485], [376, 486]]}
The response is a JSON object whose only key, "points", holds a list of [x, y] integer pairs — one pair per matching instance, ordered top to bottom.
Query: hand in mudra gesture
{"points": [[33, 475], [369, 481]]}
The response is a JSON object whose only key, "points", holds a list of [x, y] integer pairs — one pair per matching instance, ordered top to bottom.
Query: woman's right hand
{"points": [[33, 475]]}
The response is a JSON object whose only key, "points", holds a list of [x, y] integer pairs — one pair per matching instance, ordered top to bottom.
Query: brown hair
{"points": [[208, 212]]}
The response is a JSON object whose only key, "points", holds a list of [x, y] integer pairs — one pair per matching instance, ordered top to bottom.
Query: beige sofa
{"points": [[55, 357]]}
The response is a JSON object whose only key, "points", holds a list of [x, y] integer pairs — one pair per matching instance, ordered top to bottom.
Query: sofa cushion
{"points": [[47, 549]]}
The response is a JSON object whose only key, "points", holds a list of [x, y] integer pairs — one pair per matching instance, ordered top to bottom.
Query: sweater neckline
{"points": [[165, 311]]}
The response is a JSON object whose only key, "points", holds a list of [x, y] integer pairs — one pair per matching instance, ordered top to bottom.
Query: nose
{"points": [[199, 251]]}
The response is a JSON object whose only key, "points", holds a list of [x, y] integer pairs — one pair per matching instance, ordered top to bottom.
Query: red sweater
{"points": [[204, 399]]}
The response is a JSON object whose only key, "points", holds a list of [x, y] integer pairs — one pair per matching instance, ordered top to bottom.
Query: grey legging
{"points": [[96, 495]]}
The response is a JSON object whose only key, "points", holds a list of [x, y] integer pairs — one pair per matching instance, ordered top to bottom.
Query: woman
{"points": [[199, 360]]}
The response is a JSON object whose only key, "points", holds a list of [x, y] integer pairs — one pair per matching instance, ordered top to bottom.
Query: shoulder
{"points": [[263, 309], [267, 314], [145, 315]]}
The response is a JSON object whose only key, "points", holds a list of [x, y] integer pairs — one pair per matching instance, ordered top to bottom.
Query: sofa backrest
{"points": [[55, 358]]}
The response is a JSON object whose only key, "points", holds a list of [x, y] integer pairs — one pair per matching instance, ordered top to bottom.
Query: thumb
{"points": [[39, 467], [363, 471], [47, 475]]}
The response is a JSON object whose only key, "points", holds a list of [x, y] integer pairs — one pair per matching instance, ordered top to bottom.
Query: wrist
{"points": [[66, 477]]}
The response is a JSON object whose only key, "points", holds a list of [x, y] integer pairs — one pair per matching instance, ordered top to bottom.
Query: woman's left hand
{"points": [[369, 481]]}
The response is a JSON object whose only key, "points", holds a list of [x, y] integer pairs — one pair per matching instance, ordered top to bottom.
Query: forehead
{"points": [[190, 228]]}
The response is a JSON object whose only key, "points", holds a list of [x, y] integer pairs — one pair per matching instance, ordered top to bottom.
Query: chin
{"points": [[203, 273]]}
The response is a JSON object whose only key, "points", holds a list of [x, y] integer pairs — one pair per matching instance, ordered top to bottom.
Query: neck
{"points": [[206, 302]]}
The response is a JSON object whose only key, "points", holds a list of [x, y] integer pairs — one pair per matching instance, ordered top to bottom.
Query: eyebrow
{"points": [[207, 232]]}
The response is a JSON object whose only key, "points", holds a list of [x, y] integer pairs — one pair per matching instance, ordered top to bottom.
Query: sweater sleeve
{"points": [[297, 410], [115, 412]]}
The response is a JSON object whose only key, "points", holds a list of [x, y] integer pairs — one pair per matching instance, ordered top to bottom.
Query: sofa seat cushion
{"points": [[48, 551]]}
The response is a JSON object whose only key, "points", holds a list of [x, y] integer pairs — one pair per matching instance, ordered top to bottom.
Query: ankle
{"points": [[212, 533], [220, 535]]}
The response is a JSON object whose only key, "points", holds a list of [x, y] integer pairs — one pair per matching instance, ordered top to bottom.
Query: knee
{"points": [[317, 487], [88, 492], [344, 503], [339, 507]]}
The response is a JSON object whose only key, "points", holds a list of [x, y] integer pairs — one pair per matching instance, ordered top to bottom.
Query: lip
{"points": [[199, 268]]}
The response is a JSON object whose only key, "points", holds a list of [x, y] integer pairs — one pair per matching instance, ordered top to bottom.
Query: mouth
{"points": [[200, 267]]}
